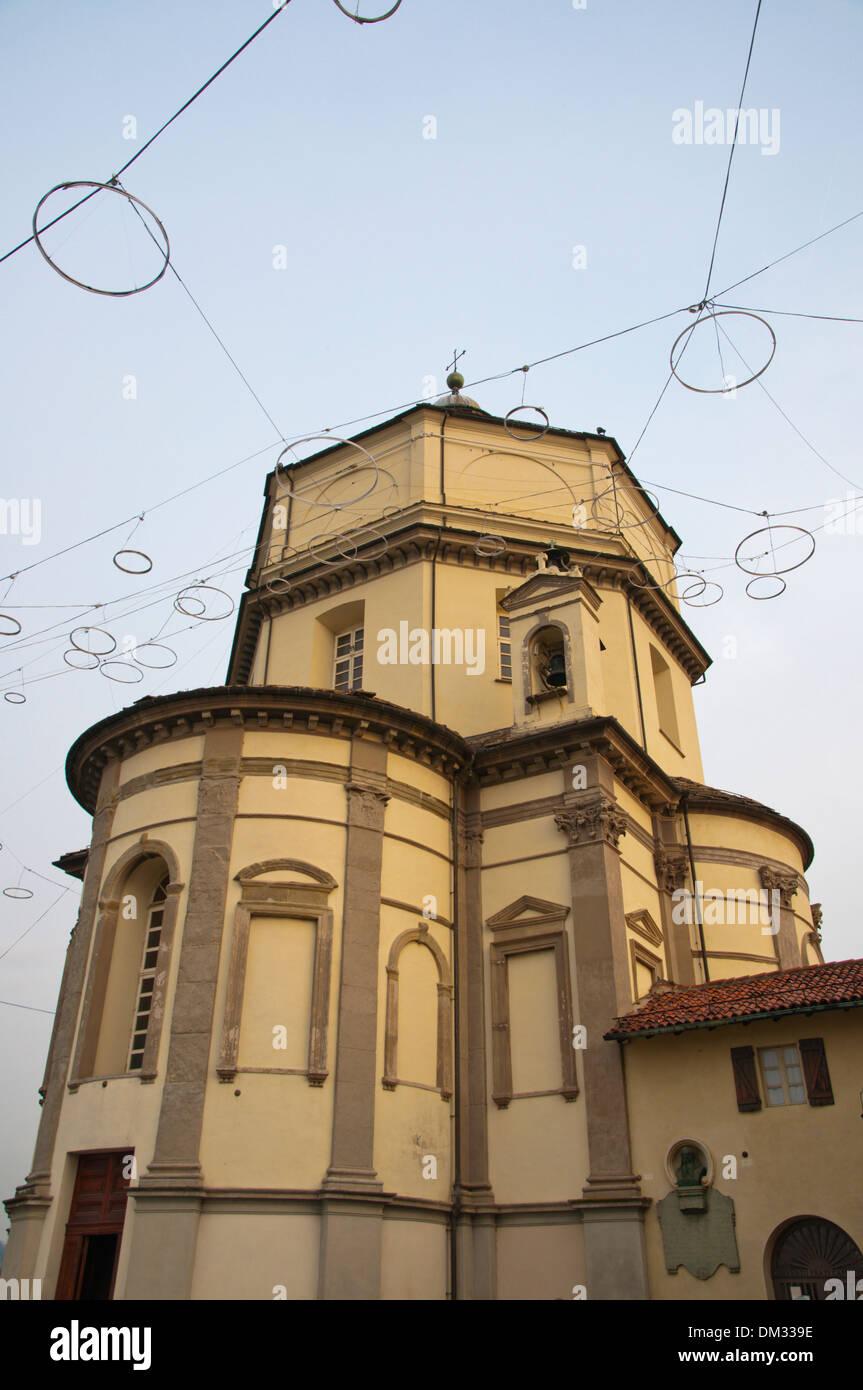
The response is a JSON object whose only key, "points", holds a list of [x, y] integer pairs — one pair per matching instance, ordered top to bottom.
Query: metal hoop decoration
{"points": [[361, 19], [110, 188], [718, 314], [524, 438], [320, 482], [630, 526], [770, 530], [490, 545], [353, 546], [131, 569], [687, 574], [662, 583], [279, 586], [186, 596], [760, 598], [691, 602], [7, 618], [105, 633], [92, 658], [154, 665], [136, 672], [15, 697], [18, 892]]}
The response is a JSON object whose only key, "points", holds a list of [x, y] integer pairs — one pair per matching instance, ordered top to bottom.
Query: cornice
{"points": [[423, 540], [159, 719]]}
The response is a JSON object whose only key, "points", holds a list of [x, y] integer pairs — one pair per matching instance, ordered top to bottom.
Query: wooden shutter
{"points": [[815, 1072], [745, 1078]]}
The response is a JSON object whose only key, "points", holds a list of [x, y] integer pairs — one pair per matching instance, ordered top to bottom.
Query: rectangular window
{"points": [[504, 647], [348, 663], [664, 697], [147, 980], [782, 1075]]}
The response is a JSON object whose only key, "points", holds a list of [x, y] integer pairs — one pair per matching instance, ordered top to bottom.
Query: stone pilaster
{"points": [[672, 872], [785, 940], [168, 1196], [612, 1205], [350, 1258]]}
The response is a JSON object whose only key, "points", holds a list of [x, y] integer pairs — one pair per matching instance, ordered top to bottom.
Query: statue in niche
{"points": [[691, 1170]]}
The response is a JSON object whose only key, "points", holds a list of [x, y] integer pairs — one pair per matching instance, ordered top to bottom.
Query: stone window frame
{"points": [[291, 898], [110, 901], [514, 935], [639, 955], [390, 1078]]}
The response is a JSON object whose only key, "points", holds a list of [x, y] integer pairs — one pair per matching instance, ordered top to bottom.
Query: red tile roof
{"points": [[839, 984]]}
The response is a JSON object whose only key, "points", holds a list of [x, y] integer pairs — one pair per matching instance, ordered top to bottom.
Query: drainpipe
{"points": [[696, 899], [456, 1085]]}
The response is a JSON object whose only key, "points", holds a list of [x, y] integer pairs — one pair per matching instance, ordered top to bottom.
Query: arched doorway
{"points": [[807, 1253]]}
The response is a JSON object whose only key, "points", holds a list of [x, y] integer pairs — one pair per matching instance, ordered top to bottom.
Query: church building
{"points": [[419, 961]]}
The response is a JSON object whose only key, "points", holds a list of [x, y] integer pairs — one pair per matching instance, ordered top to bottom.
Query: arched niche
{"points": [[547, 651], [142, 885], [292, 890], [443, 1070]]}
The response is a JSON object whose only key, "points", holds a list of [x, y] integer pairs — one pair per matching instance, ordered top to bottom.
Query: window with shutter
{"points": [[815, 1072], [745, 1078]]}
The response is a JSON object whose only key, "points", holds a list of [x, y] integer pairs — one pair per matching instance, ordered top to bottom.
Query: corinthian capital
{"points": [[366, 804], [600, 819], [671, 868], [786, 883]]}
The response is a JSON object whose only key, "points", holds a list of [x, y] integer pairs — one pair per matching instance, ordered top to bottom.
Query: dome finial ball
{"points": [[455, 381]]}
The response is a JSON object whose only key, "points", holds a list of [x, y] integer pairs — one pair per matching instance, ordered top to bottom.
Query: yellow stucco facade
{"points": [[395, 881]]}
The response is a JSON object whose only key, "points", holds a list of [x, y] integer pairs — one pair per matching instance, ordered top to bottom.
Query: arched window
{"points": [[147, 978], [124, 997], [808, 1254]]}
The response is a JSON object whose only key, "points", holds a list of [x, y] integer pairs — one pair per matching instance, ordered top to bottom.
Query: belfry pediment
{"points": [[545, 587]]}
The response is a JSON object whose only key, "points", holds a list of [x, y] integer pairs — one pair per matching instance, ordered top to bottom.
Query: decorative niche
{"points": [[297, 900], [528, 928]]}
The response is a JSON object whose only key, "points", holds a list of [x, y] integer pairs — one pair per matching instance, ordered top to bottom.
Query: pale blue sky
{"points": [[554, 129]]}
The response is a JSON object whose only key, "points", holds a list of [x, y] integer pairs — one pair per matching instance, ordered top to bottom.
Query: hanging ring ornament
{"points": [[362, 19], [110, 188], [718, 314], [526, 424], [332, 477], [620, 512], [770, 530], [490, 545], [353, 546], [133, 568], [759, 578], [278, 586], [687, 592], [187, 596], [692, 601], [7, 618], [78, 647], [92, 660], [154, 665], [135, 676], [15, 697], [18, 892]]}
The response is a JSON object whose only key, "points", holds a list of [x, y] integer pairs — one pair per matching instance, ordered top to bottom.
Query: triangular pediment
{"points": [[544, 587], [527, 911], [643, 924]]}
